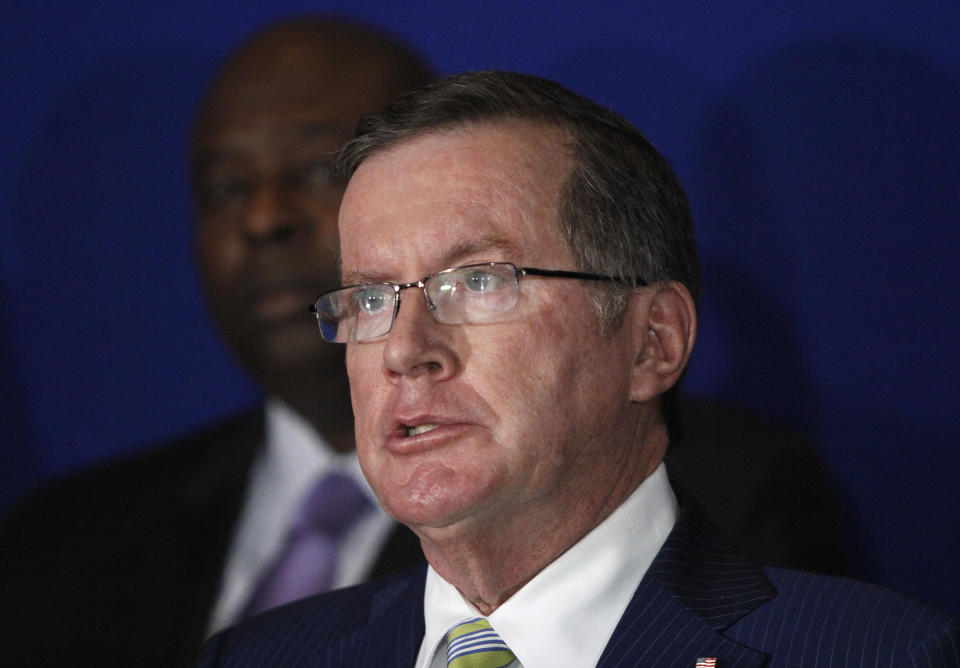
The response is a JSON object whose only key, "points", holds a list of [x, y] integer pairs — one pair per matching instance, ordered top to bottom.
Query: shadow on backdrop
{"points": [[650, 89], [831, 175], [741, 467]]}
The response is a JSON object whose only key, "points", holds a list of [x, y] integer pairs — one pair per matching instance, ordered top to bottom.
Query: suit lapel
{"points": [[206, 501], [401, 551], [696, 587], [394, 633]]}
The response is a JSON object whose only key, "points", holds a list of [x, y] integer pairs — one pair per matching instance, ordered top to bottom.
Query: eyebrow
{"points": [[452, 257]]}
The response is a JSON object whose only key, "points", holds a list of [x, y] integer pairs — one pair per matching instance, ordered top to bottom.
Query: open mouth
{"points": [[421, 429]]}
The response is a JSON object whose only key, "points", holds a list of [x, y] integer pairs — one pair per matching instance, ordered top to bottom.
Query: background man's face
{"points": [[266, 234], [524, 404]]}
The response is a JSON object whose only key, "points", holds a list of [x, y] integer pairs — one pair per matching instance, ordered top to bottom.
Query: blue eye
{"points": [[479, 280], [370, 301]]}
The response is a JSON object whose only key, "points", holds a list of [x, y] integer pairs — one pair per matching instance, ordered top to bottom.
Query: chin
{"points": [[436, 497]]}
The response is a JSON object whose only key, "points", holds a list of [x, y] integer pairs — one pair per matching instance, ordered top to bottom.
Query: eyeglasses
{"points": [[455, 296]]}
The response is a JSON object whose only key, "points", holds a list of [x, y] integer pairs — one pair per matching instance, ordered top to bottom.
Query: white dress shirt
{"points": [[294, 457], [566, 614]]}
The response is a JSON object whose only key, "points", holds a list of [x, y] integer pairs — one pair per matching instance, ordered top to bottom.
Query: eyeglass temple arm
{"points": [[559, 273]]}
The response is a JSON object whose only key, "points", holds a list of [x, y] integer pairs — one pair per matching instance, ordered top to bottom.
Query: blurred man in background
{"points": [[135, 563]]}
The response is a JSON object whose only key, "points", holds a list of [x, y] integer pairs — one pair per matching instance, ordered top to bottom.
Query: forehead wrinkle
{"points": [[532, 169], [530, 176], [509, 195], [433, 242], [448, 258]]}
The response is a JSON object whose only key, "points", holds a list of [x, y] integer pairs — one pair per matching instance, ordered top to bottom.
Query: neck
{"points": [[464, 555]]}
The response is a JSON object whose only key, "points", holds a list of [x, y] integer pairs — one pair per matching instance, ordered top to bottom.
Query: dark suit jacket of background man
{"points": [[120, 566], [699, 599]]}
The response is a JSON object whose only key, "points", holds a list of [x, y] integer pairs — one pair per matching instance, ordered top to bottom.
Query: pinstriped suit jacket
{"points": [[699, 599]]}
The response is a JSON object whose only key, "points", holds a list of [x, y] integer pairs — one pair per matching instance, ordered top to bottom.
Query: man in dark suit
{"points": [[520, 304], [136, 563]]}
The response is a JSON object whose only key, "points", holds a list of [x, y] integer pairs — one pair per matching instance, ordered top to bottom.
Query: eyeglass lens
{"points": [[455, 296]]}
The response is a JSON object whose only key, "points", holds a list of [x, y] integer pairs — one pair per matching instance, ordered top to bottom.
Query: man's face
{"points": [[266, 233], [529, 407]]}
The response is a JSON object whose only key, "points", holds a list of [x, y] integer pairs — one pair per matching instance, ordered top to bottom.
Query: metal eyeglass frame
{"points": [[518, 272]]}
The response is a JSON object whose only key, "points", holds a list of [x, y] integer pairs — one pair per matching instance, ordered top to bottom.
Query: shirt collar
{"points": [[296, 455], [293, 458], [566, 614]]}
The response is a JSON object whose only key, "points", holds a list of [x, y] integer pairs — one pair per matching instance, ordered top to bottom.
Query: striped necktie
{"points": [[472, 643]]}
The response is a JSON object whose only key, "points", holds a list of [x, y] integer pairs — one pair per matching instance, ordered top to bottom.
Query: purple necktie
{"points": [[306, 562]]}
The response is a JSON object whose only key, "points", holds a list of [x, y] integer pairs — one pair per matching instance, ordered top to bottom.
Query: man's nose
{"points": [[417, 345]]}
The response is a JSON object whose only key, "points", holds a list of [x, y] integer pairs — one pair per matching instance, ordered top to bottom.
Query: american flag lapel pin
{"points": [[704, 662]]}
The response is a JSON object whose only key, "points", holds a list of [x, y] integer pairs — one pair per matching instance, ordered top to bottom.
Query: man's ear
{"points": [[665, 327]]}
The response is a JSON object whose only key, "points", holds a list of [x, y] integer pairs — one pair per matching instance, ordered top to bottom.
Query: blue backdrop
{"points": [[819, 145]]}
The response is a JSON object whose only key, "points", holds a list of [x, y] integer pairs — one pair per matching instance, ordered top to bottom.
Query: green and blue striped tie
{"points": [[472, 643]]}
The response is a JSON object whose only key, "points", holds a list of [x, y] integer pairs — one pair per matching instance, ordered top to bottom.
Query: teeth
{"points": [[421, 429]]}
